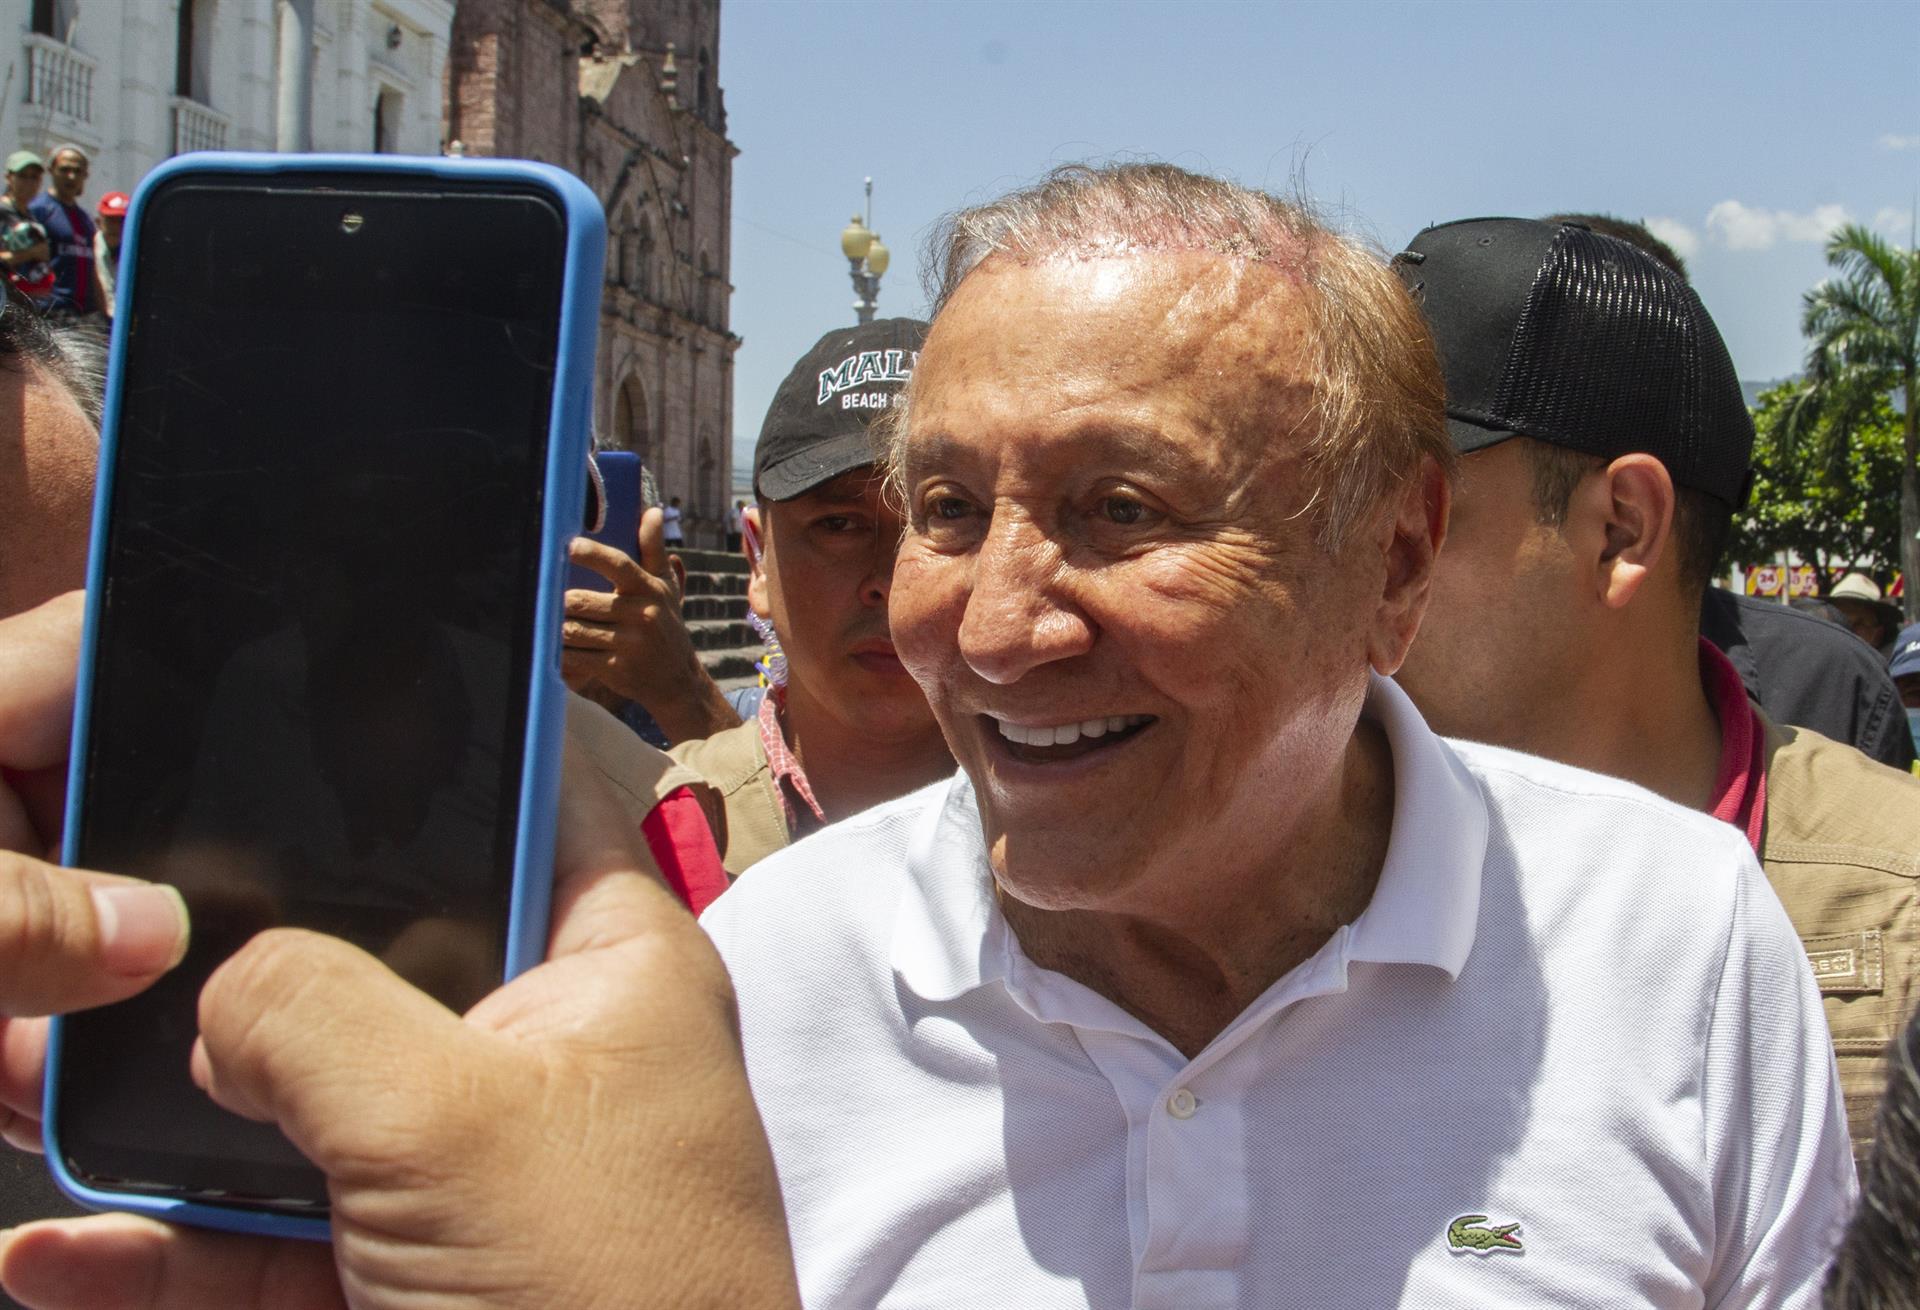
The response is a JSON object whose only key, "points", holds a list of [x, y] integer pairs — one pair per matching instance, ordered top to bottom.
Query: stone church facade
{"points": [[626, 94]]}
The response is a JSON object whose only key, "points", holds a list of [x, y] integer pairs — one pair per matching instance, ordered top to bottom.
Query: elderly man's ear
{"points": [[1620, 522], [1409, 539]]}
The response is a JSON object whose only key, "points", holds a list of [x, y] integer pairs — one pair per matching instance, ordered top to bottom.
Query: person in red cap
{"points": [[106, 245]]}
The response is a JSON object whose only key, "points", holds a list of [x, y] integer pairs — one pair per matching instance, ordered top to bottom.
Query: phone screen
{"points": [[314, 647]]}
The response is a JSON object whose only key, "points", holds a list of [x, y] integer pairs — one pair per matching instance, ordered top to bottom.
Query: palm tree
{"points": [[1863, 334]]}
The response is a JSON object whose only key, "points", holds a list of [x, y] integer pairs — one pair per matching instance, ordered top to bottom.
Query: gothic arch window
{"points": [[706, 77], [623, 260], [640, 274], [632, 430], [707, 491]]}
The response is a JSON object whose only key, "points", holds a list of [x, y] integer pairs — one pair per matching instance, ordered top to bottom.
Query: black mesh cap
{"points": [[1555, 332], [819, 424]]}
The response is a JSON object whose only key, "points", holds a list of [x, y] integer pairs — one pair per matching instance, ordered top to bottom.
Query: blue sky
{"points": [[1742, 132]]}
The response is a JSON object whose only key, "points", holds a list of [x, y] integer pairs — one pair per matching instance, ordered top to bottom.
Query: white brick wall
{"points": [[129, 48]]}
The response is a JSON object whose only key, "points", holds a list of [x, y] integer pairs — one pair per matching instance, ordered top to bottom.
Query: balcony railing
{"points": [[59, 78], [195, 127]]}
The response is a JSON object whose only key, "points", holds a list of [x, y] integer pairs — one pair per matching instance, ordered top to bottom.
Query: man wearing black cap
{"points": [[1606, 447], [1796, 666], [846, 728]]}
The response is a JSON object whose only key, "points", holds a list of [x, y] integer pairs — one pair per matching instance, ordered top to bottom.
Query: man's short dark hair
{"points": [[1634, 234], [1701, 523]]}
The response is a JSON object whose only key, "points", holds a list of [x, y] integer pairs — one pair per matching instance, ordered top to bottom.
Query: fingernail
{"points": [[143, 928]]}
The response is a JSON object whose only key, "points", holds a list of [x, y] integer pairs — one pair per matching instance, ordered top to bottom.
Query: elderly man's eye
{"points": [[948, 508], [1124, 510]]}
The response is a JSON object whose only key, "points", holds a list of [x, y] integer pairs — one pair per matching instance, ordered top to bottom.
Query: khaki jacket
{"points": [[734, 763], [639, 776], [1841, 847]]}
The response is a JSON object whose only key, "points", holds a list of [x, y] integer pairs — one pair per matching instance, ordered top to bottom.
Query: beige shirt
{"points": [[734, 763], [638, 775], [1842, 849]]}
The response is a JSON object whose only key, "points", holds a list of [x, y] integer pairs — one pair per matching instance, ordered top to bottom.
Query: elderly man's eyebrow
{"points": [[1142, 448], [1139, 449]]}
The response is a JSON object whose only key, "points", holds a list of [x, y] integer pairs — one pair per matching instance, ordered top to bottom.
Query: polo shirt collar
{"points": [[1427, 903], [950, 937]]}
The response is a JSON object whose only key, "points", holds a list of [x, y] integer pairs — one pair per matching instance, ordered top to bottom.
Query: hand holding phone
{"points": [[555, 1146]]}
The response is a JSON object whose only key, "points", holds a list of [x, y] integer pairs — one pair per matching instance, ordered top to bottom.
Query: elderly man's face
{"points": [[47, 462], [1110, 587]]}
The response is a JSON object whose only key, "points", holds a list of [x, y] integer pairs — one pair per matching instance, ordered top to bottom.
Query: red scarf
{"points": [[1740, 786]]}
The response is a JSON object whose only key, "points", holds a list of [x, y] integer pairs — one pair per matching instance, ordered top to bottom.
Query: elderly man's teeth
{"points": [[1066, 734]]}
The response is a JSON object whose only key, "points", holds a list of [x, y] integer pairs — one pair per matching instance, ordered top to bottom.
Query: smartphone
{"points": [[340, 463], [618, 523]]}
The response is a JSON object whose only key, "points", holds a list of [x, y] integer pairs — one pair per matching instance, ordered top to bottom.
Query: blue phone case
{"points": [[620, 477], [563, 505]]}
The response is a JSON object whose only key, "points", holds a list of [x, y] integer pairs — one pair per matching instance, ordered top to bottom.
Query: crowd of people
{"points": [[55, 254], [1258, 802]]}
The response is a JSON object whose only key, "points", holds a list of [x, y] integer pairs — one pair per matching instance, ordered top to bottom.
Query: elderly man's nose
{"points": [[1016, 619]]}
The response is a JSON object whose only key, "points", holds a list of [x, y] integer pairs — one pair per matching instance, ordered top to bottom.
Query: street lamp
{"points": [[867, 258]]}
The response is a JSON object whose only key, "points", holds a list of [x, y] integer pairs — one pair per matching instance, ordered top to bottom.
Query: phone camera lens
{"points": [[351, 222]]}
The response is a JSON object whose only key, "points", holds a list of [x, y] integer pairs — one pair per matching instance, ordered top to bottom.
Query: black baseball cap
{"points": [[1555, 332], [819, 424]]}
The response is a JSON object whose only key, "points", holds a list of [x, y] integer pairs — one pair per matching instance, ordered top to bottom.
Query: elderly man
{"points": [[1216, 979]]}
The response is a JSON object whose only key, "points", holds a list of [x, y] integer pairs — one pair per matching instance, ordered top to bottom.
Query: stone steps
{"points": [[713, 561], [706, 583], [715, 609], [720, 634], [733, 667]]}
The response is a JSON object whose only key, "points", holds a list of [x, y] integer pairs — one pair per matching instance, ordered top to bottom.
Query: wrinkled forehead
{"points": [[1219, 346]]}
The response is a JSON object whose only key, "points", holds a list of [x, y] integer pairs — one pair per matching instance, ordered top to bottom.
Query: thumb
{"points": [[75, 940], [313, 1034]]}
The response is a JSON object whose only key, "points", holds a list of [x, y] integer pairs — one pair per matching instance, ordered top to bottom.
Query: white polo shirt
{"points": [[1570, 1007]]}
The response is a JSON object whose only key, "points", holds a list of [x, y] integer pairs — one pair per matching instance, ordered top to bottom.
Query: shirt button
{"points": [[1182, 1104]]}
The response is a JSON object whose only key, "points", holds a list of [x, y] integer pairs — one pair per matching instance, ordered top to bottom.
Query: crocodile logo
{"points": [[1469, 1232]]}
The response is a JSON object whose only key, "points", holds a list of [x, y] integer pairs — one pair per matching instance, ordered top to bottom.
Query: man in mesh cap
{"points": [[1605, 448]]}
